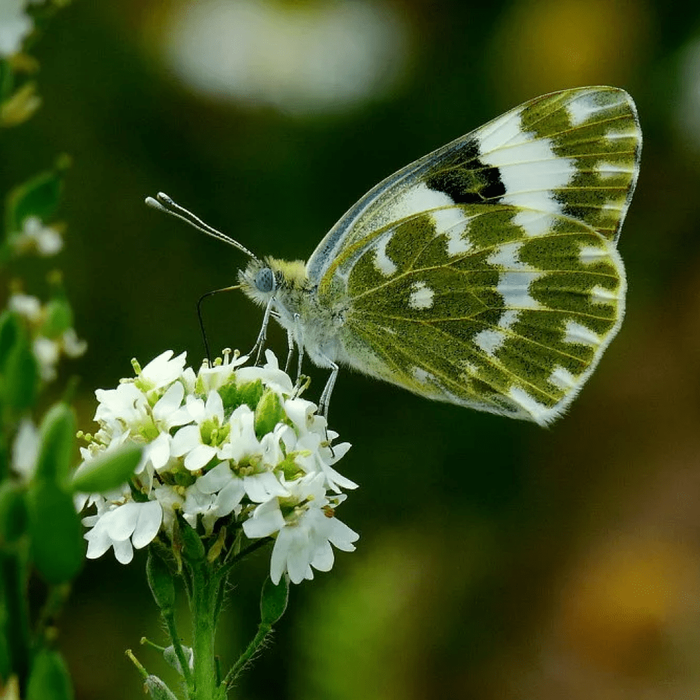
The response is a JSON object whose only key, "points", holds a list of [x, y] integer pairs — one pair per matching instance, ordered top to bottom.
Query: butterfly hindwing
{"points": [[486, 274], [511, 326]]}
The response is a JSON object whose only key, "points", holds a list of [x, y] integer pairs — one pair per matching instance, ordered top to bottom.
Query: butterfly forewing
{"points": [[574, 152], [486, 273]]}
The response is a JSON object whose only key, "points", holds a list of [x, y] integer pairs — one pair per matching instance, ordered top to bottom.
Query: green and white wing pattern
{"points": [[486, 273]]}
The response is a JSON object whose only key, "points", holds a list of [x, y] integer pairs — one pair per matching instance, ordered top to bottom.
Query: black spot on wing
{"points": [[465, 178]]}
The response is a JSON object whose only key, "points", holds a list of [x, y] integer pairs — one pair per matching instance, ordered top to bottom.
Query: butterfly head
{"points": [[270, 278]]}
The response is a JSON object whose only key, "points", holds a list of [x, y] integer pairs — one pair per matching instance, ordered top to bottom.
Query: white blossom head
{"points": [[231, 452]]}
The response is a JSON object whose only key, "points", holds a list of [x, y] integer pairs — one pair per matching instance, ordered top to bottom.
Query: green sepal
{"points": [[39, 197], [20, 384], [268, 413], [56, 438], [107, 471], [13, 512], [57, 544], [192, 545], [161, 583], [273, 600], [49, 678], [157, 689]]}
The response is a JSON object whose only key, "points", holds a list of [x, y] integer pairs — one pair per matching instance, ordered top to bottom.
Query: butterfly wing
{"points": [[486, 273]]}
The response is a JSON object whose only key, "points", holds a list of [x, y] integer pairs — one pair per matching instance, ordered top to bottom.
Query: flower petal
{"points": [[185, 440], [199, 457], [267, 519], [148, 523]]}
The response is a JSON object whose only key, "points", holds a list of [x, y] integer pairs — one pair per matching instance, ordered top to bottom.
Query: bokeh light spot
{"points": [[299, 57]]}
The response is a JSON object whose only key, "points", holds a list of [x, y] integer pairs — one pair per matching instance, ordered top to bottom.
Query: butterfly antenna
{"points": [[162, 202]]}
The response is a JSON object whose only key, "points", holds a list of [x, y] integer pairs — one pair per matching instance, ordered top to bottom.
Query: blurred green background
{"points": [[497, 560]]}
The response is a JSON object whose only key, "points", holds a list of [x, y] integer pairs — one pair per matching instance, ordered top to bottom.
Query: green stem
{"points": [[224, 571], [203, 603], [263, 630], [179, 651]]}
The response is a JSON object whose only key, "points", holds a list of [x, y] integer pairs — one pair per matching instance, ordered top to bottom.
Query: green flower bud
{"points": [[268, 413], [160, 580]]}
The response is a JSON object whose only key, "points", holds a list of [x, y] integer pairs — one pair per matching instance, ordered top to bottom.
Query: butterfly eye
{"points": [[265, 280]]}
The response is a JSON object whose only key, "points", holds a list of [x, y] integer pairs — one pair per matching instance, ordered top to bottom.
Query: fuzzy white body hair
{"points": [[314, 328]]}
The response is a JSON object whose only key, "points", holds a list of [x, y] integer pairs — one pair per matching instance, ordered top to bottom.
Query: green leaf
{"points": [[36, 197], [10, 329], [21, 376], [268, 413], [57, 435], [107, 471], [13, 512], [58, 548], [160, 580], [273, 601], [49, 678]]}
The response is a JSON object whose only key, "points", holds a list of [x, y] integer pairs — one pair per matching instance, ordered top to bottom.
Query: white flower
{"points": [[15, 26], [36, 236], [26, 305], [47, 351], [162, 371], [270, 374], [216, 375], [121, 407], [168, 413], [199, 443], [25, 449], [315, 456], [207, 458], [171, 501], [122, 526], [305, 533]]}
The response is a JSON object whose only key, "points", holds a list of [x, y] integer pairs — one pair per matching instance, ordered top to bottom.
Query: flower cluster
{"points": [[52, 337], [230, 445]]}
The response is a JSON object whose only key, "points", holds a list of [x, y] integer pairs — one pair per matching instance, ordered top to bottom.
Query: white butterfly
{"points": [[484, 274]]}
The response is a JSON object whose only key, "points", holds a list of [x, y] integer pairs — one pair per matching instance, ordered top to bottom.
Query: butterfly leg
{"points": [[262, 336], [300, 344], [290, 350], [301, 361], [325, 401]]}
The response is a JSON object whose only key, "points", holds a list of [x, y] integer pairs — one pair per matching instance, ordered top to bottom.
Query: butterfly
{"points": [[485, 274]]}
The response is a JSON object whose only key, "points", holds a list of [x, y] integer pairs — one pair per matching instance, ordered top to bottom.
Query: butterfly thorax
{"points": [[294, 304]]}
